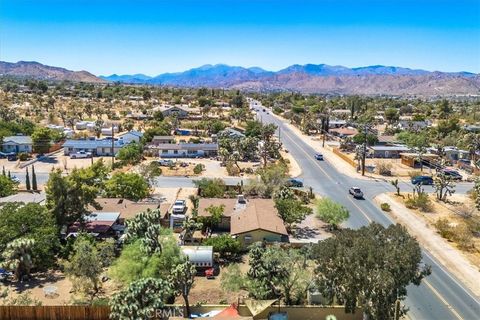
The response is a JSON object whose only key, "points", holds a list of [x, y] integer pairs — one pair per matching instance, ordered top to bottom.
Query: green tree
{"points": [[391, 115], [42, 139], [130, 154], [34, 179], [27, 180], [7, 186], [130, 186], [444, 186], [211, 188], [68, 197], [291, 211], [331, 212], [215, 217], [35, 222], [146, 227], [224, 244], [17, 257], [382, 262], [133, 264], [84, 265], [182, 279], [141, 299]]}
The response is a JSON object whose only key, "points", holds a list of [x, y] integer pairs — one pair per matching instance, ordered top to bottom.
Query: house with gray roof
{"points": [[17, 144], [98, 147], [186, 150]]}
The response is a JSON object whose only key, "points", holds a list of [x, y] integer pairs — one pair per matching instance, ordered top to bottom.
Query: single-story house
{"points": [[181, 112], [334, 123], [85, 125], [413, 125], [107, 131], [344, 132], [232, 133], [130, 136], [158, 140], [386, 140], [17, 144], [98, 147], [186, 150], [388, 151], [452, 153], [25, 197], [129, 209], [248, 220], [101, 224], [199, 256]]}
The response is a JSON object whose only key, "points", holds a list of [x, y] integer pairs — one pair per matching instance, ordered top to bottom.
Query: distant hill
{"points": [[32, 69], [308, 78], [320, 78]]}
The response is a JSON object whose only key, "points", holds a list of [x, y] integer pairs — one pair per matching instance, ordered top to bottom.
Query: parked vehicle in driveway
{"points": [[80, 155], [319, 156], [12, 157], [165, 163], [454, 175], [15, 179], [422, 180], [294, 183], [356, 192], [179, 207], [5, 275]]}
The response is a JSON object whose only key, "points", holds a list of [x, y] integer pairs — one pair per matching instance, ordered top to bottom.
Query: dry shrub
{"points": [[384, 168]]}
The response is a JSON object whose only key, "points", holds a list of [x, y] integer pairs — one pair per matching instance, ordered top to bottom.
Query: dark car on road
{"points": [[319, 156], [452, 174], [422, 180], [294, 183]]}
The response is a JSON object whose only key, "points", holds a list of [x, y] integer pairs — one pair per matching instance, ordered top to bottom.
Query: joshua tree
{"points": [[18, 257]]}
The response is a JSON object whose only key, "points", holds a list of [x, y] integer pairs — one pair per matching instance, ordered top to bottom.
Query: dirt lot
{"points": [[463, 264], [210, 291]]}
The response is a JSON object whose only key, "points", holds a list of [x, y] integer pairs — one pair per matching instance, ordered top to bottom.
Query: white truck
{"points": [[80, 155]]}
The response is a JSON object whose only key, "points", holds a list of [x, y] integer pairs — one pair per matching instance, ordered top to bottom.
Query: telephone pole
{"points": [[113, 146], [364, 153]]}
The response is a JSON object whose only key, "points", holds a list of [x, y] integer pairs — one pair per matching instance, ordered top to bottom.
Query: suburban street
{"points": [[440, 296]]}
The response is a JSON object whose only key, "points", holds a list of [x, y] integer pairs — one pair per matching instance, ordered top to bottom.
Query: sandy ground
{"points": [[57, 160], [294, 168], [450, 257], [209, 291]]}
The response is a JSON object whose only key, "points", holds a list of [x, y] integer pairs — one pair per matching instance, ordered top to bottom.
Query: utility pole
{"points": [[279, 133], [113, 146], [364, 154]]}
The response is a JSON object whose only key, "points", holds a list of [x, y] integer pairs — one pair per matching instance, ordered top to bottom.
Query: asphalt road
{"points": [[441, 295]]}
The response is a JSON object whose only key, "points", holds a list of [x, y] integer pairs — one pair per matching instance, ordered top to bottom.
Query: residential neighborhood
{"points": [[261, 160]]}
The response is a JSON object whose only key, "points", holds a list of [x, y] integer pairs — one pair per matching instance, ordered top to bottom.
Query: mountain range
{"points": [[32, 69], [309, 78]]}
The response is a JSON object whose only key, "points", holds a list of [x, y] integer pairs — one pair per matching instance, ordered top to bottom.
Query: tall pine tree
{"points": [[27, 180], [34, 180]]}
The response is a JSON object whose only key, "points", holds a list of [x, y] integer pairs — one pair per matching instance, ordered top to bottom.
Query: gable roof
{"points": [[17, 139], [127, 208], [259, 214]]}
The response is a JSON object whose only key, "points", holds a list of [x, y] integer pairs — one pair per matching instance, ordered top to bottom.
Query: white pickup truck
{"points": [[80, 155], [179, 207]]}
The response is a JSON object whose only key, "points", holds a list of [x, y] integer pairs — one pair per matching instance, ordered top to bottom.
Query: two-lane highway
{"points": [[440, 296]]}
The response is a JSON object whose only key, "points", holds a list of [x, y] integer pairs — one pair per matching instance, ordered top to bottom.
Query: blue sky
{"points": [[152, 37]]}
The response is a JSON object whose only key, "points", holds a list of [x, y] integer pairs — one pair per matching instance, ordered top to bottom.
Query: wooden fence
{"points": [[344, 157], [171, 311], [54, 312]]}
